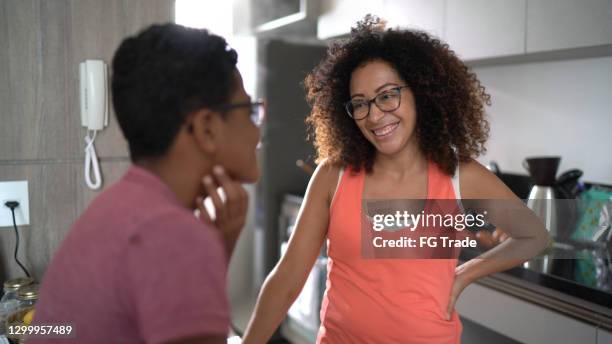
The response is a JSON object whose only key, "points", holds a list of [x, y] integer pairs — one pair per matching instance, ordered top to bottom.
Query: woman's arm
{"points": [[527, 236], [286, 280]]}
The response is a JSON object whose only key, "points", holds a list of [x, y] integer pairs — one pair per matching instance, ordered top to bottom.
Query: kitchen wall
{"points": [[559, 107], [41, 140]]}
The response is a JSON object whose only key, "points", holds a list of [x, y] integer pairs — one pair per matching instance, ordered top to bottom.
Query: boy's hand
{"points": [[230, 216]]}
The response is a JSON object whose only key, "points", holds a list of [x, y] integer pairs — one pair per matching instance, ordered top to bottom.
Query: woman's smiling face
{"points": [[388, 131]]}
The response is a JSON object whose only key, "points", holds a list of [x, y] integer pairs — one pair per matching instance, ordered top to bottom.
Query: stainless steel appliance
{"points": [[541, 199]]}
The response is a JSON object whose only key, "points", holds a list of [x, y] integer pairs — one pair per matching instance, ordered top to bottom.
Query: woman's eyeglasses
{"points": [[386, 101]]}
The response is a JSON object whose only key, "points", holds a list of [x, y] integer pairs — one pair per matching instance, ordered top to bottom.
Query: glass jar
{"points": [[12, 286], [27, 296], [9, 302]]}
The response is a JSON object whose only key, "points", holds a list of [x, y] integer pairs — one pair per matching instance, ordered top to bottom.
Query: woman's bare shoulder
{"points": [[327, 177], [478, 182]]}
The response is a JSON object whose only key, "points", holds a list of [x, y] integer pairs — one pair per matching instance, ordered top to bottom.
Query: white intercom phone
{"points": [[94, 100], [94, 113]]}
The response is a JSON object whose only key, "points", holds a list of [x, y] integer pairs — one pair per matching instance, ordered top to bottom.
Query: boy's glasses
{"points": [[386, 101], [257, 114]]}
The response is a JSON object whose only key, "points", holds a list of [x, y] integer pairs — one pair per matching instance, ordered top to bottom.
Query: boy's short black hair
{"points": [[162, 74]]}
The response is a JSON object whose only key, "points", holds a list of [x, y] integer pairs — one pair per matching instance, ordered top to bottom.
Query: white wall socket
{"points": [[14, 191]]}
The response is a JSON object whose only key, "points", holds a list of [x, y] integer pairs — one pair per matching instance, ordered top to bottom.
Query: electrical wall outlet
{"points": [[14, 191]]}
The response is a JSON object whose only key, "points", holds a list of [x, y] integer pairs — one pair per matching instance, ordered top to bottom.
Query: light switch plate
{"points": [[14, 191]]}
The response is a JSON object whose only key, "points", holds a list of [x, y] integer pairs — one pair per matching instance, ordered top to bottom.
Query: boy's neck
{"points": [[183, 178]]}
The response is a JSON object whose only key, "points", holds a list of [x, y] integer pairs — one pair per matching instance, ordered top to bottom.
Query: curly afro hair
{"points": [[451, 126]]}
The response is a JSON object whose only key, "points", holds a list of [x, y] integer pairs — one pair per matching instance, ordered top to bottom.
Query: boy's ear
{"points": [[206, 130]]}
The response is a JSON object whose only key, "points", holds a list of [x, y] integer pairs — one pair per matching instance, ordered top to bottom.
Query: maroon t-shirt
{"points": [[137, 267]]}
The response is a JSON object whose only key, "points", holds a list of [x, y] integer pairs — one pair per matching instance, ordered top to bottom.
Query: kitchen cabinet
{"points": [[416, 14], [338, 16], [564, 24], [477, 29], [481, 29], [522, 320], [603, 336]]}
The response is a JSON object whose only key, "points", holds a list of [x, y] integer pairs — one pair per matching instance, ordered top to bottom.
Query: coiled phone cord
{"points": [[91, 162]]}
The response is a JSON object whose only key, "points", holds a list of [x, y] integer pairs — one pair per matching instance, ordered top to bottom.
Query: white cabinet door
{"points": [[416, 14], [338, 16], [563, 24], [478, 29], [521, 320], [603, 336]]}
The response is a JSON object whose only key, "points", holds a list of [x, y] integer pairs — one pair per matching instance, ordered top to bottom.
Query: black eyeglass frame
{"points": [[373, 100], [252, 104]]}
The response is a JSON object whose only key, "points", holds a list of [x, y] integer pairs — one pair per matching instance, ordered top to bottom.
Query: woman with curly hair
{"points": [[396, 115]]}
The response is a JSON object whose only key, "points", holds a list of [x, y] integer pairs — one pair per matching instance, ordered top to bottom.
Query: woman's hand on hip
{"points": [[460, 282]]}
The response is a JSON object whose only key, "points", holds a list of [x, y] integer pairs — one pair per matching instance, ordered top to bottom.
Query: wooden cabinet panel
{"points": [[39, 54], [58, 195]]}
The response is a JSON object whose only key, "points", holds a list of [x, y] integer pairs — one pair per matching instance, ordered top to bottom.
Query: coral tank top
{"points": [[383, 300]]}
